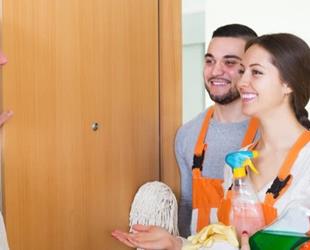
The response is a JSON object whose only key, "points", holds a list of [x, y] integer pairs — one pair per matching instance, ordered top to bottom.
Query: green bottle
{"points": [[277, 240]]}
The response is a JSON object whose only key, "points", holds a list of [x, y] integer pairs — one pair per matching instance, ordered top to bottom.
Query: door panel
{"points": [[72, 63]]}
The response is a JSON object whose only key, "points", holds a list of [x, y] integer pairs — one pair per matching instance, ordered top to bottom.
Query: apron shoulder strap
{"points": [[251, 132], [200, 145], [284, 178]]}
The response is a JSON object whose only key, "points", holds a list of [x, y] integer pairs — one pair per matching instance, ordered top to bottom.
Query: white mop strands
{"points": [[155, 204]]}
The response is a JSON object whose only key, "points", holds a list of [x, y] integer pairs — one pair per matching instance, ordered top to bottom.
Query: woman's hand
{"points": [[4, 116], [148, 237], [245, 241]]}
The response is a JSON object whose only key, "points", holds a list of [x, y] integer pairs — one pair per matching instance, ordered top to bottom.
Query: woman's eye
{"points": [[241, 71], [256, 72]]}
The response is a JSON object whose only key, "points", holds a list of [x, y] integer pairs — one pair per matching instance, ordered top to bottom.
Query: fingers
{"points": [[4, 116], [141, 228], [123, 237], [144, 239], [135, 240], [245, 241]]}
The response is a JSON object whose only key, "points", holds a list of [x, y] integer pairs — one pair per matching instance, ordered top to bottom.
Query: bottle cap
{"points": [[239, 160]]}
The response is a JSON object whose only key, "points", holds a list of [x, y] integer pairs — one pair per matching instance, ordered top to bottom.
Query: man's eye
{"points": [[209, 61], [230, 62]]}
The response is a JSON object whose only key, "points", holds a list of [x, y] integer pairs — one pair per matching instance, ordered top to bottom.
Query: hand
{"points": [[4, 116], [148, 237], [245, 241]]}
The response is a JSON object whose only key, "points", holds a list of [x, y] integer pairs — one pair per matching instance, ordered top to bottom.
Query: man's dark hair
{"points": [[235, 30]]}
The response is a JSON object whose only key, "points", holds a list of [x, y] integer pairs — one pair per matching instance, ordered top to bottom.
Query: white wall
{"points": [[192, 6], [264, 16], [193, 31], [193, 38]]}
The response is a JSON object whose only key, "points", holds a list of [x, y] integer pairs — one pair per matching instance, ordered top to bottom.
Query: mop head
{"points": [[155, 204]]}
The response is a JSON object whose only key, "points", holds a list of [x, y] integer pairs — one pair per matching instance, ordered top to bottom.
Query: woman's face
{"points": [[260, 86]]}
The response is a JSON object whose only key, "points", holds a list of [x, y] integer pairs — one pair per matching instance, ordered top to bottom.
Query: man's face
{"points": [[3, 59], [222, 68]]}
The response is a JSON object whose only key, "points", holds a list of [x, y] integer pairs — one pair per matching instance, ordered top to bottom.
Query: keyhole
{"points": [[95, 126]]}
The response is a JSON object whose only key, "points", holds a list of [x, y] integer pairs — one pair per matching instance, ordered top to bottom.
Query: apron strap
{"points": [[251, 132], [201, 147], [284, 178]]}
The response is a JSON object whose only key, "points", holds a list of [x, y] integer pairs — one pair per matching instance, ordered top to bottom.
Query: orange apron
{"points": [[277, 189], [208, 192]]}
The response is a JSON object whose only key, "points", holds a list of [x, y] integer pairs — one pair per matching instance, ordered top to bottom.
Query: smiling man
{"points": [[202, 143]]}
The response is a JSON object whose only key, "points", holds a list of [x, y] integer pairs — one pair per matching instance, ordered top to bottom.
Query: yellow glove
{"points": [[211, 233]]}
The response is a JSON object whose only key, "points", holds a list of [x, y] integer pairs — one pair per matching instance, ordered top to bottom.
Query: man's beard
{"points": [[227, 98]]}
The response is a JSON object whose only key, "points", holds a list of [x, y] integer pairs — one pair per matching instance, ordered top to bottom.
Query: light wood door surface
{"points": [[73, 63]]}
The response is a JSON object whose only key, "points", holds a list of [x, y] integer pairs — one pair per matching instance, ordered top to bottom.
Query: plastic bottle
{"points": [[246, 212], [289, 231], [276, 240]]}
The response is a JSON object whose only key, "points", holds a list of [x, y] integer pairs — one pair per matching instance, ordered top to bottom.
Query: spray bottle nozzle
{"points": [[239, 160]]}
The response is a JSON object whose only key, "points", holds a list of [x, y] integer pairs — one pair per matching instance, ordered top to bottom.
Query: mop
{"points": [[155, 204]]}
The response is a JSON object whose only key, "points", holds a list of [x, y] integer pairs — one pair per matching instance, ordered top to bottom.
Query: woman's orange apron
{"points": [[277, 189], [208, 192]]}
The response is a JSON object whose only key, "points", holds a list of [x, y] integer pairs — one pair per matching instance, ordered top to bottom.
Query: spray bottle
{"points": [[246, 213]]}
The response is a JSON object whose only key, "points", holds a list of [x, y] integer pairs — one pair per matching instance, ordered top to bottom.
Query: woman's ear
{"points": [[287, 89]]}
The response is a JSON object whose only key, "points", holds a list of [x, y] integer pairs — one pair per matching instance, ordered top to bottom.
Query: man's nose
{"points": [[3, 58], [217, 69]]}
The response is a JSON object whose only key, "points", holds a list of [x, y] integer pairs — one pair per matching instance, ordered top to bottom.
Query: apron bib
{"points": [[207, 192]]}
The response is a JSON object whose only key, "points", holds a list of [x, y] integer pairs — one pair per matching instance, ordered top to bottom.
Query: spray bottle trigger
{"points": [[249, 163]]}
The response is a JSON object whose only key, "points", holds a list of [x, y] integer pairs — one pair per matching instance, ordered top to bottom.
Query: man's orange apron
{"points": [[277, 189], [208, 192]]}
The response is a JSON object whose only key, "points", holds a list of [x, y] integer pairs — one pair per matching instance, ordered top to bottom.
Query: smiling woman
{"points": [[275, 88]]}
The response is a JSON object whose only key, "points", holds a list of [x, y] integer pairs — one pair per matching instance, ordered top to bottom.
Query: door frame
{"points": [[170, 77]]}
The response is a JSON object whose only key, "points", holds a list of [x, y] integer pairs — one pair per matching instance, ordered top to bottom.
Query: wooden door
{"points": [[73, 63]]}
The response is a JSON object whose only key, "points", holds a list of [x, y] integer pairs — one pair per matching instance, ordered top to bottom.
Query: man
{"points": [[222, 127]]}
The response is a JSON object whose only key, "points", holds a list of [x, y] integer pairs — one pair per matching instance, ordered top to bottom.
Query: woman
{"points": [[275, 87], [4, 116]]}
